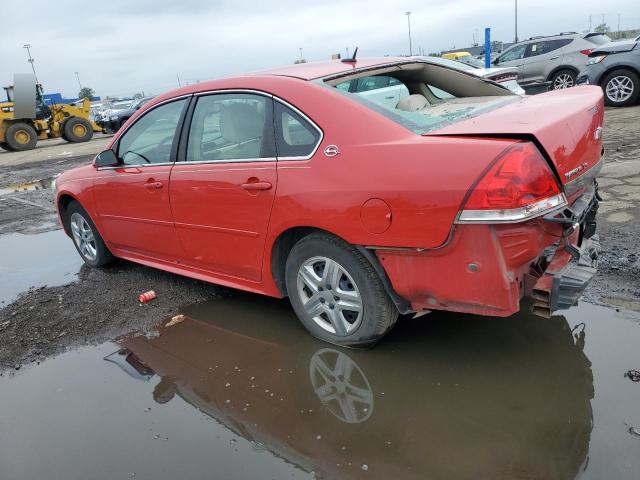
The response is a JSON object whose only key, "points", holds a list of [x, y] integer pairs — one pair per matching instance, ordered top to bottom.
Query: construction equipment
{"points": [[25, 118]]}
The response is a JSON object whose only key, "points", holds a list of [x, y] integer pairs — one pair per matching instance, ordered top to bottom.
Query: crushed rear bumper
{"points": [[574, 263]]}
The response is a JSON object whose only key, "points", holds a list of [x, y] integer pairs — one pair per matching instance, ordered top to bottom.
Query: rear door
{"points": [[543, 57], [223, 187], [133, 198]]}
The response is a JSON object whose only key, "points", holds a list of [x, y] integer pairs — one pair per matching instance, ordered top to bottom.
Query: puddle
{"points": [[26, 186], [35, 260], [238, 389]]}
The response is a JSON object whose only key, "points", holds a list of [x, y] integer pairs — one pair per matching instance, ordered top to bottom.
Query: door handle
{"points": [[555, 58], [390, 98], [153, 185], [255, 186]]}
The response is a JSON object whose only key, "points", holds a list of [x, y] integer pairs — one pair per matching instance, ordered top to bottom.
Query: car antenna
{"points": [[352, 59]]}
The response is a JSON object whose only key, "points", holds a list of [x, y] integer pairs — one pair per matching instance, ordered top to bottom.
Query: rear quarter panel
{"points": [[423, 180]]}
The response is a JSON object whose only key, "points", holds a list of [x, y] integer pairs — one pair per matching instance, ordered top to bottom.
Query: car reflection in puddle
{"points": [[445, 397]]}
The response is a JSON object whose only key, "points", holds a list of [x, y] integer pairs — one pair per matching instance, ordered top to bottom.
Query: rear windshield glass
{"points": [[599, 39], [426, 97]]}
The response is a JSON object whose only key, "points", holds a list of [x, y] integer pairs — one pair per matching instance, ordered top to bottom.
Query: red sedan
{"points": [[433, 189]]}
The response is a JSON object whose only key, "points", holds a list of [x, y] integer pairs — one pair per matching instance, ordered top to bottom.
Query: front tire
{"points": [[562, 79], [621, 88], [76, 130], [85, 236], [336, 293]]}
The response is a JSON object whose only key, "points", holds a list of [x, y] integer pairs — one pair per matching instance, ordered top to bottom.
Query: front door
{"points": [[514, 57], [223, 187], [132, 199]]}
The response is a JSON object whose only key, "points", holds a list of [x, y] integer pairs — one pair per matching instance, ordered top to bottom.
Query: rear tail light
{"points": [[586, 51], [518, 186]]}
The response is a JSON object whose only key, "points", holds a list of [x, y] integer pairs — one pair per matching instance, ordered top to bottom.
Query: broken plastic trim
{"points": [[513, 214]]}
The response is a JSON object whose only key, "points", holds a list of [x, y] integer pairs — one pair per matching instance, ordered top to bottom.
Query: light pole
{"points": [[408, 14], [516, 21], [301, 57], [30, 59], [78, 78]]}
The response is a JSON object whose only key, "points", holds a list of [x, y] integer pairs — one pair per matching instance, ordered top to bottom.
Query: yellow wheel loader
{"points": [[25, 118]]}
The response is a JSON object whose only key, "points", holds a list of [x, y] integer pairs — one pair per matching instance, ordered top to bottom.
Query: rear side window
{"points": [[546, 46], [234, 126], [295, 136], [151, 137]]}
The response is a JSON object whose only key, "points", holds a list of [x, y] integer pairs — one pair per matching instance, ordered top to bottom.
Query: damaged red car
{"points": [[428, 189]]}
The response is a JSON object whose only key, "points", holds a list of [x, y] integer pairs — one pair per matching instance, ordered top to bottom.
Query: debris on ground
{"points": [[147, 296], [175, 320]]}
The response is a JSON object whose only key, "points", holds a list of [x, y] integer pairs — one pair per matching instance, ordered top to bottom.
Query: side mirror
{"points": [[495, 61], [106, 159]]}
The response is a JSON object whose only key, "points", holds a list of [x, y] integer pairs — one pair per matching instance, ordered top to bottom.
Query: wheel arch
{"points": [[562, 67], [612, 68], [63, 201], [285, 241]]}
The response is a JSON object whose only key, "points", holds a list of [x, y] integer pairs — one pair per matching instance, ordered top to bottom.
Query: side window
{"points": [[516, 53], [366, 84], [344, 86], [231, 126], [295, 136], [150, 138]]}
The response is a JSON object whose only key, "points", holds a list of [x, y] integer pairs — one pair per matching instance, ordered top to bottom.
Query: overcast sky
{"points": [[120, 47]]}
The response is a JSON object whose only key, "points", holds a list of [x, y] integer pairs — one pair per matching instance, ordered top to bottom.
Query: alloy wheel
{"points": [[563, 81], [619, 88], [83, 237], [329, 296]]}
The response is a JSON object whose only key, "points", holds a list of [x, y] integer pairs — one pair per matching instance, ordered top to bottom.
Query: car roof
{"points": [[314, 70]]}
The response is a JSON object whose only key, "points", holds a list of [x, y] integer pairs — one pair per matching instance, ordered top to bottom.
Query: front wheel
{"points": [[621, 88], [86, 238], [336, 293]]}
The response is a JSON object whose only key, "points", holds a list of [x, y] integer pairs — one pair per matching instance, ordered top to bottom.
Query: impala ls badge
{"points": [[598, 133], [331, 150], [576, 170]]}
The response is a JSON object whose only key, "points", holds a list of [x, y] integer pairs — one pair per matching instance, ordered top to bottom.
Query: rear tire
{"points": [[562, 79], [621, 88], [77, 130], [20, 137], [86, 237], [336, 293]]}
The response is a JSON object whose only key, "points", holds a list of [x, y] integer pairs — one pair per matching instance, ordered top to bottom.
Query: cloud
{"points": [[121, 46]]}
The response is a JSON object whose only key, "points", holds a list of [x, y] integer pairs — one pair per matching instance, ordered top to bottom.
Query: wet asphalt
{"points": [[236, 388]]}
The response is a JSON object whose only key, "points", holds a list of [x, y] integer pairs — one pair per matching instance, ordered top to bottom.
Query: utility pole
{"points": [[408, 14], [516, 21], [589, 22], [618, 35], [301, 56], [30, 59], [178, 77], [78, 78]]}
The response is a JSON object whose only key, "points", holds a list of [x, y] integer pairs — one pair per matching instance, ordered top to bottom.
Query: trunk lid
{"points": [[566, 123]]}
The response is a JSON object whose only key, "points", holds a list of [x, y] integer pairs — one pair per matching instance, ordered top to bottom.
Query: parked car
{"points": [[557, 58], [616, 68], [507, 76], [112, 122], [279, 183]]}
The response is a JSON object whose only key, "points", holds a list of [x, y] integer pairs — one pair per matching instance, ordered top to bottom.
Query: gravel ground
{"points": [[103, 304]]}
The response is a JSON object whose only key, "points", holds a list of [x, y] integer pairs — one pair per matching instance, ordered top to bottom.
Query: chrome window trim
{"points": [[277, 99], [230, 160], [143, 165]]}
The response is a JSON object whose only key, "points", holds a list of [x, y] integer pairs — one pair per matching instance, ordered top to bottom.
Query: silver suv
{"points": [[557, 58]]}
